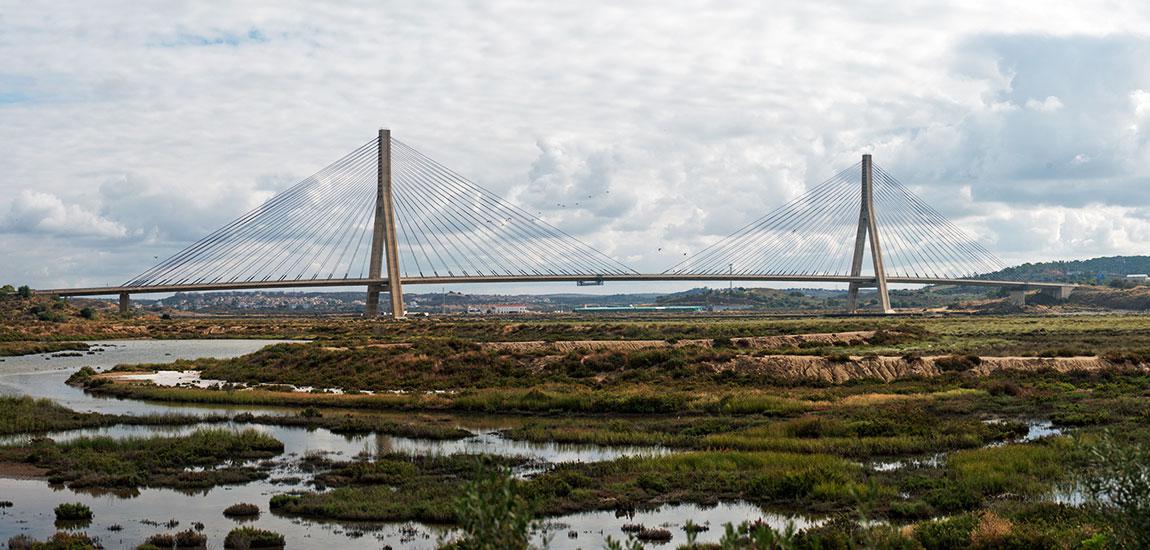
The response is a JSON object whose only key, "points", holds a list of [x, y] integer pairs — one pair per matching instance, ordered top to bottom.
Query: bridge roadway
{"points": [[1060, 289]]}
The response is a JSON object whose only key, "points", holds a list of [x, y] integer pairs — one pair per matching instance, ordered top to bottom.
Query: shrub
{"points": [[24, 291], [88, 313], [51, 316], [838, 357], [957, 363], [82, 375], [1003, 387], [310, 412], [1118, 484], [282, 501], [242, 509], [910, 509], [73, 512], [492, 515], [990, 530], [947, 534], [654, 535], [756, 535], [250, 537], [191, 539], [62, 540], [162, 540]]}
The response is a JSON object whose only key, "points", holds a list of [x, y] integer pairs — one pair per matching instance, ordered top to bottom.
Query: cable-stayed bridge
{"points": [[385, 216]]}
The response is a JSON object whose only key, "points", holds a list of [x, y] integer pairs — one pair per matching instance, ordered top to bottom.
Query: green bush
{"points": [[24, 291], [957, 363], [81, 376], [242, 509], [75, 511], [947, 534], [250, 537], [191, 539], [161, 540]]}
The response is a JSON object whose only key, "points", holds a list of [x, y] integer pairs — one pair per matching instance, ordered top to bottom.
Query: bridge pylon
{"points": [[868, 227], [384, 244]]}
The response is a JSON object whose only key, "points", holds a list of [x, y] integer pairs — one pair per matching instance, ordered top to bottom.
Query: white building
{"points": [[497, 309]]}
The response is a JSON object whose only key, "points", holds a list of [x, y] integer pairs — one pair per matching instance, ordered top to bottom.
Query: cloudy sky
{"points": [[127, 132]]}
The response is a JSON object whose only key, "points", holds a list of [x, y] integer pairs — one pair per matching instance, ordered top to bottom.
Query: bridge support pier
{"points": [[868, 227], [384, 244], [1058, 293], [1018, 298], [125, 303]]}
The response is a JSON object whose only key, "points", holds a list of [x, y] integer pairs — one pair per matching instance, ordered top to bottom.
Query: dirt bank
{"points": [[805, 367]]}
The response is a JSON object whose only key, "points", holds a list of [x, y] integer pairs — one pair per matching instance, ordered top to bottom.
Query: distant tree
{"points": [[1122, 284], [7, 289], [24, 291], [88, 313]]}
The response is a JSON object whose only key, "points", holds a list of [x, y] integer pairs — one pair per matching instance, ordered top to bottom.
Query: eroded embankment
{"points": [[837, 371]]}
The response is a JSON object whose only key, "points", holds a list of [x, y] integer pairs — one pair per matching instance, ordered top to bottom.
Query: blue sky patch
{"points": [[217, 38]]}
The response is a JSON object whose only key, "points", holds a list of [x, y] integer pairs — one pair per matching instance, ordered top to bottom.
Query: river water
{"points": [[133, 517]]}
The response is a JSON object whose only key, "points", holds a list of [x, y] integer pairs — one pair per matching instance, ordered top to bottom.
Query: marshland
{"points": [[813, 432]]}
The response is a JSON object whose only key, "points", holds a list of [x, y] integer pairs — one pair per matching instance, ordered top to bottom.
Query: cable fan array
{"points": [[451, 227], [321, 229], [814, 235], [919, 242]]}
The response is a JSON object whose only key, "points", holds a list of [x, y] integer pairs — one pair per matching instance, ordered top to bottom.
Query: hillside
{"points": [[1092, 271], [746, 298], [14, 309]]}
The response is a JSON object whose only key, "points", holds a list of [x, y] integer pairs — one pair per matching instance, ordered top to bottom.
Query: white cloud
{"points": [[1050, 104], [159, 123], [36, 212]]}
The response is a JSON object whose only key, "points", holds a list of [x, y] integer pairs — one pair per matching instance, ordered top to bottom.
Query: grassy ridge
{"points": [[8, 349], [27, 415]]}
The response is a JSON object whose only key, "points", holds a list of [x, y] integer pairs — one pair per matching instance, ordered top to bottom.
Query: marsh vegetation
{"points": [[944, 433]]}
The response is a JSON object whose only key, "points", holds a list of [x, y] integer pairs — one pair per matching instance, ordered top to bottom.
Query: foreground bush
{"points": [[1118, 483], [492, 515]]}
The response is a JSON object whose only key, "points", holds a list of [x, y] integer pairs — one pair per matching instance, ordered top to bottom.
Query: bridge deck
{"points": [[319, 283]]}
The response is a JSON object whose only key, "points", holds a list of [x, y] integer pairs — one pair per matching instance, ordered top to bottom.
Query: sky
{"points": [[129, 130]]}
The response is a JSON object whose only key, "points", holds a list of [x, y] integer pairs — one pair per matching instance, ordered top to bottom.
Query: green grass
{"points": [[1024, 469]]}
